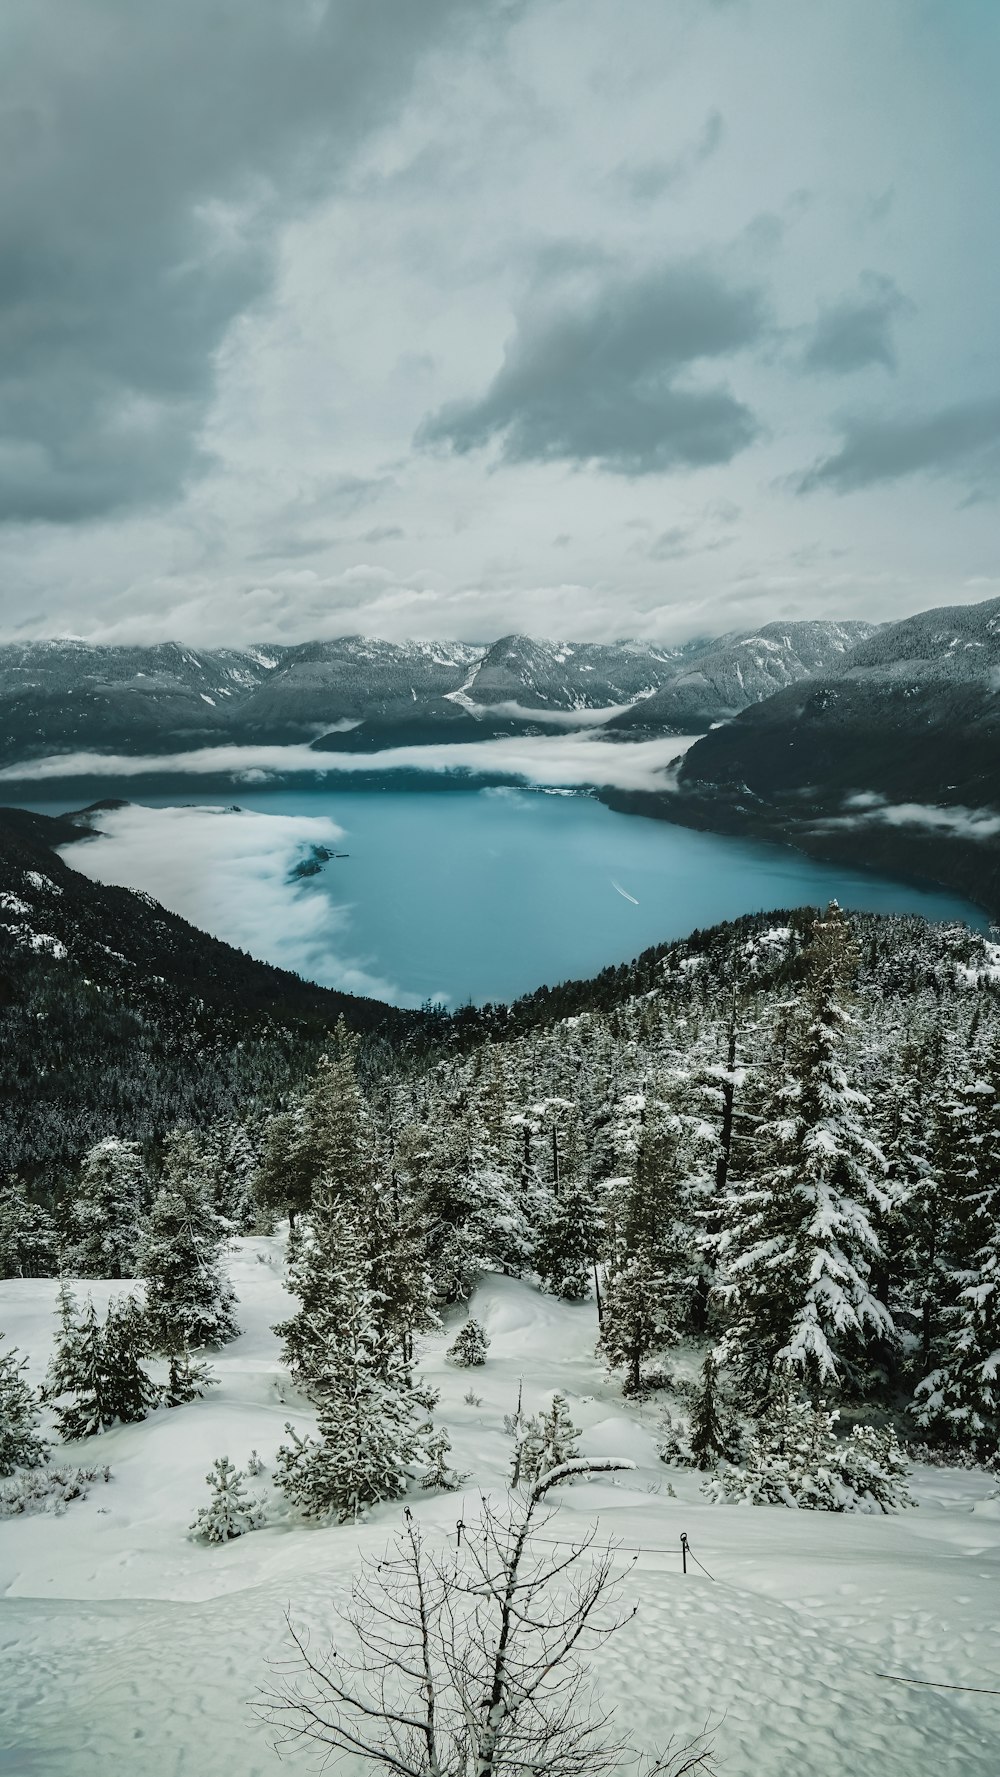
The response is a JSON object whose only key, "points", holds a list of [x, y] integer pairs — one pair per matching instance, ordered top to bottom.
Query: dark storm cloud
{"points": [[148, 154], [857, 331], [593, 373], [962, 440]]}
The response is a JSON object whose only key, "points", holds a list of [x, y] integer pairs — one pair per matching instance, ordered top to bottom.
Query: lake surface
{"points": [[462, 895]]}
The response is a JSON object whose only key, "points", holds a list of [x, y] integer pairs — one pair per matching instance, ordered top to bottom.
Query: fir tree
{"points": [[108, 1201], [568, 1241], [797, 1246], [188, 1299], [470, 1347], [96, 1379], [187, 1379], [76, 1385], [129, 1392], [368, 1427], [712, 1438], [543, 1442], [21, 1445], [230, 1512]]}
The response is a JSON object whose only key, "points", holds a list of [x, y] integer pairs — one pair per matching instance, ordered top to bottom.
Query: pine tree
{"points": [[336, 1143], [284, 1180], [104, 1220], [568, 1242], [28, 1243], [797, 1245], [652, 1271], [317, 1278], [188, 1299], [470, 1347], [95, 1379], [187, 1379], [76, 1385], [129, 1392], [960, 1401], [369, 1432], [713, 1437], [543, 1442], [21, 1445], [794, 1458], [438, 1474], [230, 1512]]}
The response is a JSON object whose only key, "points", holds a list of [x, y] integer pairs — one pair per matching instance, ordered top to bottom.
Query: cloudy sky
{"points": [[453, 317]]}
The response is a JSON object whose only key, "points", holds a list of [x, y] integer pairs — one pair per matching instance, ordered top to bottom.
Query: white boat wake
{"points": [[624, 892]]}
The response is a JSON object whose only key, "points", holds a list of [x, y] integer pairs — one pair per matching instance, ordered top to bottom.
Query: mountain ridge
{"points": [[69, 695]]}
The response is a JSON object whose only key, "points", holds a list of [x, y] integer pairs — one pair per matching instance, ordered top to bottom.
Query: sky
{"points": [[460, 317]]}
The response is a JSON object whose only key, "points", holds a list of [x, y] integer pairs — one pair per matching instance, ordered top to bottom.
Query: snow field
{"points": [[128, 1649]]}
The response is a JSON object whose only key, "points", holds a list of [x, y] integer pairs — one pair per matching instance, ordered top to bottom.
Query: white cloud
{"points": [[861, 142], [570, 760], [960, 822], [228, 871]]}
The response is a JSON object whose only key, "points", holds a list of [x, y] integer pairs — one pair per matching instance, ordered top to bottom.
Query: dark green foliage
{"points": [[29, 1246], [189, 1301], [469, 1349], [96, 1378], [713, 1436], [21, 1445]]}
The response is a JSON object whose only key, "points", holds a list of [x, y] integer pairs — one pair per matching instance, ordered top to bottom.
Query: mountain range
{"points": [[68, 695], [877, 744], [891, 758]]}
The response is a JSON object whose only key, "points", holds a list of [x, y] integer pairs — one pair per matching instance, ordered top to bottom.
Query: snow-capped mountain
{"points": [[738, 670], [571, 675], [66, 695], [911, 714], [893, 760]]}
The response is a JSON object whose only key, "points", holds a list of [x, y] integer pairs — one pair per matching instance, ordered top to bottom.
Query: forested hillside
{"points": [[119, 1018], [781, 1136]]}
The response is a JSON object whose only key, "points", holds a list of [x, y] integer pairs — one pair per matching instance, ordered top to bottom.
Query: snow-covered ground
{"points": [[126, 1648]]}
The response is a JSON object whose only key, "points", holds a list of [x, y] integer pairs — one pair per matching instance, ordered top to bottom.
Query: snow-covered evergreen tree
{"points": [[108, 1201], [568, 1241], [797, 1244], [29, 1246], [651, 1272], [189, 1301], [470, 1347], [95, 1378], [187, 1379], [76, 1385], [129, 1391], [960, 1401], [369, 1429], [713, 1435], [543, 1442], [21, 1444], [795, 1459], [438, 1474], [230, 1511]]}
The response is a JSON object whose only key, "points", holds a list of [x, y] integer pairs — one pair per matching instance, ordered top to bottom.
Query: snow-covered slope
{"points": [[740, 670], [570, 675], [129, 1649]]}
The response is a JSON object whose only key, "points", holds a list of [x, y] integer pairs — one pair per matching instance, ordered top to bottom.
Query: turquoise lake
{"points": [[485, 894]]}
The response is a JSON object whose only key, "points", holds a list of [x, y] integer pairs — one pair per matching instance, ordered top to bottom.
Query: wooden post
{"points": [[684, 1551]]}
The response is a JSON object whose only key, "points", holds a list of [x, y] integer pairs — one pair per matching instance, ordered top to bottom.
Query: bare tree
{"points": [[469, 1663]]}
